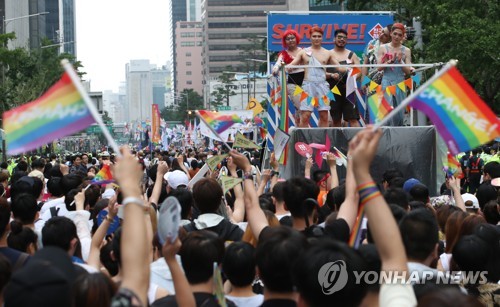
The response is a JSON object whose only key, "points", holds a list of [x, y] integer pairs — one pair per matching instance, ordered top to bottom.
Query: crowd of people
{"points": [[317, 81], [68, 240]]}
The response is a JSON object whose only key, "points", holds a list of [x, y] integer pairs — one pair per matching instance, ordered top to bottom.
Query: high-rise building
{"points": [[324, 5], [181, 10], [33, 21], [233, 33], [188, 47], [160, 81], [139, 90]]}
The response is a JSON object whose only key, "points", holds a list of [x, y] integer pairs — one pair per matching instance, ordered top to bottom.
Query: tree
{"points": [[465, 30], [26, 75], [224, 91], [188, 102]]}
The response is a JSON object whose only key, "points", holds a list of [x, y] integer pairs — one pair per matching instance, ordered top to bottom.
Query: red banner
{"points": [[155, 125]]}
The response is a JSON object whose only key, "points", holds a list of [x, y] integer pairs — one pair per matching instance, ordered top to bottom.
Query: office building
{"points": [[188, 47], [139, 90]]}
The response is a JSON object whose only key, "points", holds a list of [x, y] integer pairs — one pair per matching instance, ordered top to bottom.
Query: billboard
{"points": [[361, 27]]}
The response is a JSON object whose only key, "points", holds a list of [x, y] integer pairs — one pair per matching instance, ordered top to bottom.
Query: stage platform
{"points": [[416, 151]]}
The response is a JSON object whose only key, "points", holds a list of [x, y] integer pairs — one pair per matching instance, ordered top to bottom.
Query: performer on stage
{"points": [[290, 41], [315, 84]]}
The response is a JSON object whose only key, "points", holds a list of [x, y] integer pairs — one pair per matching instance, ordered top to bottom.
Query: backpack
{"points": [[474, 166]]}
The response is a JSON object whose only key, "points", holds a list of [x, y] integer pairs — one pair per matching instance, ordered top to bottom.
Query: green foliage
{"points": [[465, 30], [27, 74], [223, 92], [188, 101]]}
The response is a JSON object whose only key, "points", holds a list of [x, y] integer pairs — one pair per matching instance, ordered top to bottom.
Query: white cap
{"points": [[176, 178], [473, 202]]}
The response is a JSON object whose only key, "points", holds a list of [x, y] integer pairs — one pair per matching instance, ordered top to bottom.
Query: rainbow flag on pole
{"points": [[59, 112], [461, 117], [219, 123], [104, 176]]}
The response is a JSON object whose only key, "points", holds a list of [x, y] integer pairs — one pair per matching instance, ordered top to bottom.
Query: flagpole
{"points": [[76, 81], [408, 99], [213, 130]]}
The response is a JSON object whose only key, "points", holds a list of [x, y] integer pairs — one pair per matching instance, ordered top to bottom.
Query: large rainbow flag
{"points": [[59, 112], [461, 117], [219, 123]]}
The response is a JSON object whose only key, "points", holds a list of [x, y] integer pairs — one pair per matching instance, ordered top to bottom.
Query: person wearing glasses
{"points": [[290, 41], [395, 53], [342, 108]]}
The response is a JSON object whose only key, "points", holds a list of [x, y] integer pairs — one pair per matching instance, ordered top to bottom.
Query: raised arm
{"points": [[332, 163], [160, 172], [457, 196], [239, 202], [349, 208], [255, 216], [384, 229], [100, 233], [134, 247], [183, 294]]}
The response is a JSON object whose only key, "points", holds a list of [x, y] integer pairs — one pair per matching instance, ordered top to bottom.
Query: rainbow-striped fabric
{"points": [[59, 112], [461, 117], [219, 123], [104, 176]]}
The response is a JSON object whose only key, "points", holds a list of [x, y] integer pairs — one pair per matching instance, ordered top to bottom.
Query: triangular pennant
{"points": [[355, 71], [417, 78], [366, 80], [409, 83], [373, 85], [402, 86], [392, 88], [298, 90], [336, 90], [388, 91], [330, 95], [303, 96], [309, 100], [326, 100], [314, 101], [240, 141], [229, 182]]}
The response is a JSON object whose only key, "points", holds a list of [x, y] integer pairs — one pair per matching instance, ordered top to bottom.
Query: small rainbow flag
{"points": [[378, 106], [59, 112], [461, 117], [218, 122], [284, 122], [452, 166], [104, 176]]}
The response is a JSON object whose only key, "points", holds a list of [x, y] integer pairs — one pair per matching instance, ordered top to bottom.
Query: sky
{"points": [[110, 33]]}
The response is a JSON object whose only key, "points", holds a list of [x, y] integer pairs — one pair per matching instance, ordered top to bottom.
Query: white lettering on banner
{"points": [[57, 111], [471, 118]]}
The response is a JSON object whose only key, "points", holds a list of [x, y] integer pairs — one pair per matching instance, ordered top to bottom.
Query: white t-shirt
{"points": [[397, 295], [250, 301]]}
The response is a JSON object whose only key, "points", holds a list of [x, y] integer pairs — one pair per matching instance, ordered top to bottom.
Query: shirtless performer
{"points": [[315, 84]]}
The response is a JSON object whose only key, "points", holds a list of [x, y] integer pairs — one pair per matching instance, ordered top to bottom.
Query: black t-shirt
{"points": [[202, 300], [279, 303]]}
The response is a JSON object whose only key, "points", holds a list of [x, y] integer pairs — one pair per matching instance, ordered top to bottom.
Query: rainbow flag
{"points": [[378, 107], [59, 112], [461, 117], [218, 122], [452, 166], [104, 176]]}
